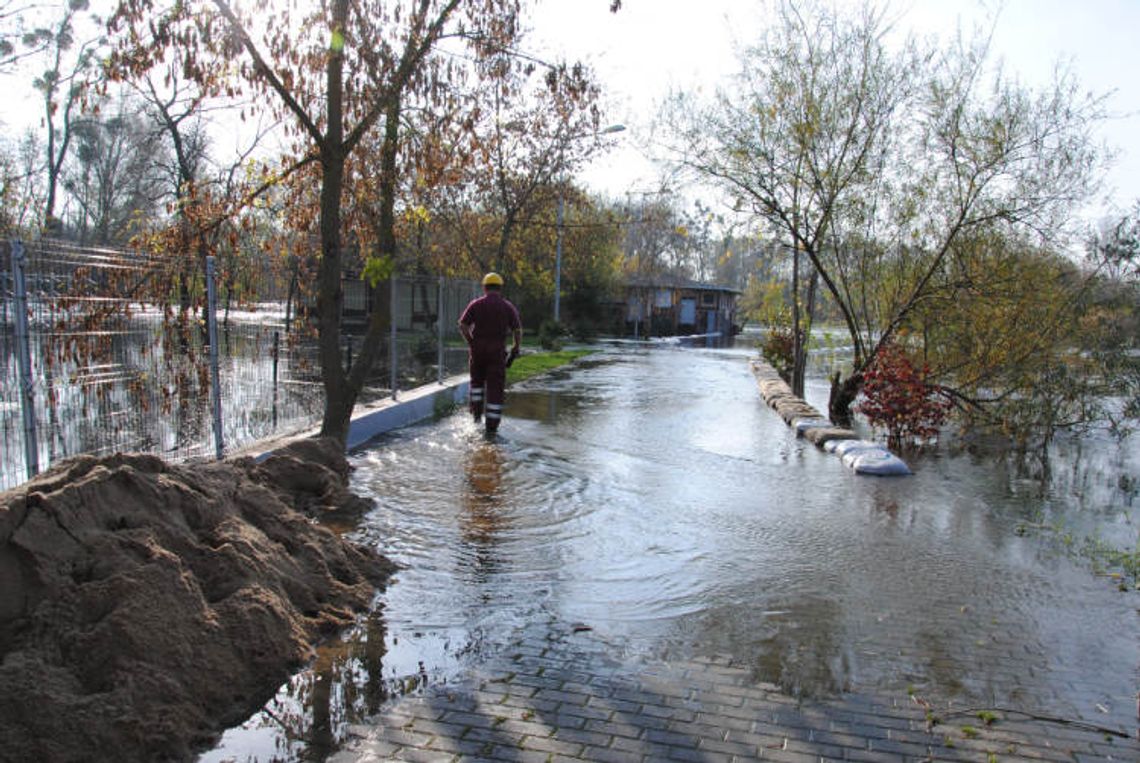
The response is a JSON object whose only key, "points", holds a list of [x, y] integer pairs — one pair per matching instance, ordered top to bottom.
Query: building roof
{"points": [[667, 281]]}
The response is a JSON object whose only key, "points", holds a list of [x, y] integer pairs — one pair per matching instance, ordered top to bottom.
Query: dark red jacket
{"points": [[492, 318]]}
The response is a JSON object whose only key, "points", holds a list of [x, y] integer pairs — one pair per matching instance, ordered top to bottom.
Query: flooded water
{"points": [[649, 495]]}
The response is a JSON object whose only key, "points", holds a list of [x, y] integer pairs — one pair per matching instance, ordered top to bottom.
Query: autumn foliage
{"points": [[778, 348], [897, 397]]}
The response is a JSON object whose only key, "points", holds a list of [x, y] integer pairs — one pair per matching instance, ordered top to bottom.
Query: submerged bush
{"points": [[778, 348], [897, 397]]}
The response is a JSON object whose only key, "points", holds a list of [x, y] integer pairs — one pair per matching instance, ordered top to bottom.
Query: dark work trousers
{"points": [[487, 363]]}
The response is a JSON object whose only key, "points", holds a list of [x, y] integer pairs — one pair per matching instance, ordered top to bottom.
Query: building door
{"points": [[688, 312]]}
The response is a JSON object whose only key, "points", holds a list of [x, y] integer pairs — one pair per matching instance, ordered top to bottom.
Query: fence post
{"points": [[439, 332], [212, 333], [393, 354], [24, 359]]}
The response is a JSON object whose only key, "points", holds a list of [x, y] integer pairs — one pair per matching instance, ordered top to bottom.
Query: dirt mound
{"points": [[144, 607]]}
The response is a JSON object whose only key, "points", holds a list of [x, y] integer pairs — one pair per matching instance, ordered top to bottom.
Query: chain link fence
{"points": [[97, 357]]}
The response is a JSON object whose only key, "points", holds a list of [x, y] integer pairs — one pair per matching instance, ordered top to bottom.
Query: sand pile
{"points": [[144, 607]]}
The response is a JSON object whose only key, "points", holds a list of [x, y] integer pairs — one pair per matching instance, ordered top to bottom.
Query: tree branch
{"points": [[268, 74]]}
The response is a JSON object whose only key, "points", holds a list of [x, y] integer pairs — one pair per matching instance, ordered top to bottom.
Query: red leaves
{"points": [[897, 397]]}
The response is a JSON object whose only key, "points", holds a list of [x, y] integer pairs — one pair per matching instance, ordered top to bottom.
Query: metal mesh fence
{"points": [[425, 347], [113, 368]]}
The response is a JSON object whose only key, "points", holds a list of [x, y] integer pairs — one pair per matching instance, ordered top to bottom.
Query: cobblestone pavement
{"points": [[555, 695]]}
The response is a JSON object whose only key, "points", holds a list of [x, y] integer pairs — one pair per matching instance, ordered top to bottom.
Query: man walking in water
{"points": [[485, 323]]}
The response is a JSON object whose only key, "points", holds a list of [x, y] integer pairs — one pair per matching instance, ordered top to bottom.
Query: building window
{"points": [[708, 298]]}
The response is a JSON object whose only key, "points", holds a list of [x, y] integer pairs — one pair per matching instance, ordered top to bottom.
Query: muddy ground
{"points": [[145, 607]]}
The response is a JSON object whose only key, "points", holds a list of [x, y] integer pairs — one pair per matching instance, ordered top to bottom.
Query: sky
{"points": [[651, 46]]}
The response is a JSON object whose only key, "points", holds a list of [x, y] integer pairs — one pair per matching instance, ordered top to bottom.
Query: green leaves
{"points": [[378, 268], [987, 717]]}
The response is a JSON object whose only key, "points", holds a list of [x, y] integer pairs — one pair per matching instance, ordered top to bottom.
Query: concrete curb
{"points": [[406, 409]]}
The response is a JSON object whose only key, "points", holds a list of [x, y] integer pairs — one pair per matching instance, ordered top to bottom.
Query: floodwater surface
{"points": [[650, 496]]}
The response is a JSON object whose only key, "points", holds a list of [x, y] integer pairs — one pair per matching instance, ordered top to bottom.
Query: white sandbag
{"points": [[804, 424], [840, 447], [848, 457], [879, 463]]}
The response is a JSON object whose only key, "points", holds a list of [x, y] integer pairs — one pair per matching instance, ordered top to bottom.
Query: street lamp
{"points": [[558, 246]]}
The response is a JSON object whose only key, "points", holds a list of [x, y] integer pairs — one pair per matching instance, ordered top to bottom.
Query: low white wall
{"points": [[408, 408], [373, 419]]}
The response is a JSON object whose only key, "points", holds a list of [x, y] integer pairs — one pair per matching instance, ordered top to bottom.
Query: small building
{"points": [[664, 305]]}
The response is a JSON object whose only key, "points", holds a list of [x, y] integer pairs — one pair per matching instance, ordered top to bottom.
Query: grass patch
{"points": [[534, 363], [1121, 565]]}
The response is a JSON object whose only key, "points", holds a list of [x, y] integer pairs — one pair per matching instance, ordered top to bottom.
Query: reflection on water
{"points": [[139, 393], [147, 395], [651, 496], [483, 522], [309, 716]]}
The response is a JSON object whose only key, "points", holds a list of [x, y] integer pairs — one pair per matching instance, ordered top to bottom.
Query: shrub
{"points": [[550, 335], [778, 348], [897, 397]]}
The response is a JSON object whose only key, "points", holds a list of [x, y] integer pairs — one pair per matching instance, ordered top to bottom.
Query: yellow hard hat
{"points": [[492, 279]]}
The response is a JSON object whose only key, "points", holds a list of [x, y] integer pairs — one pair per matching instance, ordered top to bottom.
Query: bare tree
{"points": [[19, 39], [62, 87], [178, 114], [507, 161], [882, 165], [113, 173], [21, 190], [655, 237]]}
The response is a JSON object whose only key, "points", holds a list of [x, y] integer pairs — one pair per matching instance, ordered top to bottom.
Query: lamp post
{"points": [[558, 239]]}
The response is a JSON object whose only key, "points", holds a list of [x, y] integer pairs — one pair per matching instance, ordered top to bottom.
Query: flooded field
{"points": [[649, 496]]}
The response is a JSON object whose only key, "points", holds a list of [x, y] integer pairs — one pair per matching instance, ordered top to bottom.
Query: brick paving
{"points": [[555, 695]]}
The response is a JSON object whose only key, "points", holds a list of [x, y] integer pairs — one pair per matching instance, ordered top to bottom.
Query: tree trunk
{"points": [[290, 295], [330, 296], [799, 367], [797, 380], [343, 390], [842, 397], [339, 399]]}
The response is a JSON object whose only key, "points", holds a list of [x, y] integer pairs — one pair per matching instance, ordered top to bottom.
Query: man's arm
{"points": [[465, 330], [517, 334]]}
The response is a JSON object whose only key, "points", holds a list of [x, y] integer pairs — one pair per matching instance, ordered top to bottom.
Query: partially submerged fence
{"points": [[96, 357]]}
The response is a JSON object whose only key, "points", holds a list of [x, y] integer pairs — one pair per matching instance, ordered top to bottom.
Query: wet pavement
{"points": [[647, 564], [556, 695]]}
